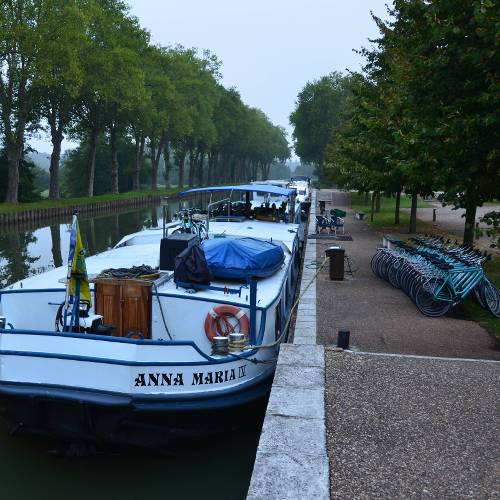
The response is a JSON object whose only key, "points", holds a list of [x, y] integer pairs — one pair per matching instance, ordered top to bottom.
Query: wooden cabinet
{"points": [[124, 304]]}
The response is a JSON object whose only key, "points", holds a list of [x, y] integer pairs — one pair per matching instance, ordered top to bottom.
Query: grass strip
{"points": [[64, 202], [385, 218]]}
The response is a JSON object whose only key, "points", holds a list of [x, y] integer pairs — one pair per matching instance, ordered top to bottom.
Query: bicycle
{"points": [[191, 225], [436, 275]]}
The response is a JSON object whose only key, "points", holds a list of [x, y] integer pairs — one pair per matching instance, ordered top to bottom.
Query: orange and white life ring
{"points": [[217, 322]]}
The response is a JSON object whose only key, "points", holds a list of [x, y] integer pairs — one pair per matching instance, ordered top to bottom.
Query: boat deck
{"points": [[142, 248]]}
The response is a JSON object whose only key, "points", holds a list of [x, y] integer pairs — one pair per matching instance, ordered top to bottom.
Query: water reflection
{"points": [[55, 235], [25, 253], [15, 259]]}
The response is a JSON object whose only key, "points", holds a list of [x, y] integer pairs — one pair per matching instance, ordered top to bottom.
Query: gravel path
{"points": [[381, 318], [403, 427]]}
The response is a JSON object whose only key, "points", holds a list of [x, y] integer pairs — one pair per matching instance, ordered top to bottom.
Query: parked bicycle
{"points": [[192, 221], [436, 274]]}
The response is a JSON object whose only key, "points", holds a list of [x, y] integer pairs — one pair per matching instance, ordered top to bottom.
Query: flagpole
{"points": [[68, 275]]}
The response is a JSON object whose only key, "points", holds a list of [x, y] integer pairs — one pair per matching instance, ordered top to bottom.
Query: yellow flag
{"points": [[77, 264]]}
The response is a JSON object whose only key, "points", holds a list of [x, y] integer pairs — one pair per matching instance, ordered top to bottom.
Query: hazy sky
{"points": [[269, 48]]}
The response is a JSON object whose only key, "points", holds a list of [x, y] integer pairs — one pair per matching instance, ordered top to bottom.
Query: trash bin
{"points": [[336, 255]]}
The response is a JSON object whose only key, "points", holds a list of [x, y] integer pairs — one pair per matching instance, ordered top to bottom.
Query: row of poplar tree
{"points": [[86, 69], [423, 115]]}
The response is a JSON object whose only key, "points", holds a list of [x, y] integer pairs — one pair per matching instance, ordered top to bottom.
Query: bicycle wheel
{"points": [[373, 263], [383, 266], [392, 274], [491, 297], [427, 303]]}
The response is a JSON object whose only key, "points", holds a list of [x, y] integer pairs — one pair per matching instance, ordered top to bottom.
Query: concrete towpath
{"points": [[412, 427]]}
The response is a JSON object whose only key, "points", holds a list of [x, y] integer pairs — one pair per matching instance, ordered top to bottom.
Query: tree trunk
{"points": [[140, 142], [14, 143], [55, 158], [201, 158], [13, 159], [182, 159], [91, 161], [114, 161], [155, 161], [166, 161], [192, 162], [210, 167], [214, 168], [233, 170], [367, 198], [377, 202], [398, 204], [373, 206], [413, 213], [470, 222]]}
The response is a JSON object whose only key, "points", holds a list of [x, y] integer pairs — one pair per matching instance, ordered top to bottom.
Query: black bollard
{"points": [[433, 215], [343, 339]]}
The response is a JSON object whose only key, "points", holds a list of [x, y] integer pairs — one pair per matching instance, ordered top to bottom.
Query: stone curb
{"points": [[291, 461]]}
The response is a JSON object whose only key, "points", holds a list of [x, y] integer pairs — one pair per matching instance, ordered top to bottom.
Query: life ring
{"points": [[217, 321]]}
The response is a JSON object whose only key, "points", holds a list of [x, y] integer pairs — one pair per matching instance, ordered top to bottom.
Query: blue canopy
{"points": [[256, 188], [242, 257]]}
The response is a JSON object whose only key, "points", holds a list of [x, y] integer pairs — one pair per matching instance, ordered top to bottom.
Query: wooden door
{"points": [[107, 304], [124, 304], [136, 308]]}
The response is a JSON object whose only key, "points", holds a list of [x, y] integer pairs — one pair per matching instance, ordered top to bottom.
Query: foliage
{"points": [[87, 69], [318, 111], [422, 116], [42, 179], [74, 184], [28, 189], [492, 220]]}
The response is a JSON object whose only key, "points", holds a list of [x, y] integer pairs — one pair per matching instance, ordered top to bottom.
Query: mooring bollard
{"points": [[343, 339]]}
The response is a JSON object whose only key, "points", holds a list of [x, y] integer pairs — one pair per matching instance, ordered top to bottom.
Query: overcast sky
{"points": [[269, 48]]}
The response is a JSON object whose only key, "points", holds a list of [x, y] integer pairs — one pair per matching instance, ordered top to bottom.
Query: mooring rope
{"points": [[278, 340]]}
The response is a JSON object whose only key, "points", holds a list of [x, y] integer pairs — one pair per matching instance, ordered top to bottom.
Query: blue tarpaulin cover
{"points": [[243, 257]]}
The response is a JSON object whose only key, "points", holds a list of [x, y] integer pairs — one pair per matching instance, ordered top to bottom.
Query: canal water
{"points": [[213, 469]]}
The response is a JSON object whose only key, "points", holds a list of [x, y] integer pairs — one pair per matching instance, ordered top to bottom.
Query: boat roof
{"points": [[273, 182], [256, 188]]}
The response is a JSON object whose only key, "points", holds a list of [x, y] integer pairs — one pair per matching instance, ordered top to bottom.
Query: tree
{"points": [[21, 26], [445, 66], [61, 75], [113, 78], [318, 111], [28, 189]]}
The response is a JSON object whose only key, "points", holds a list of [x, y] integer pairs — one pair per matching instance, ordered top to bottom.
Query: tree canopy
{"points": [[86, 69], [423, 115]]}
